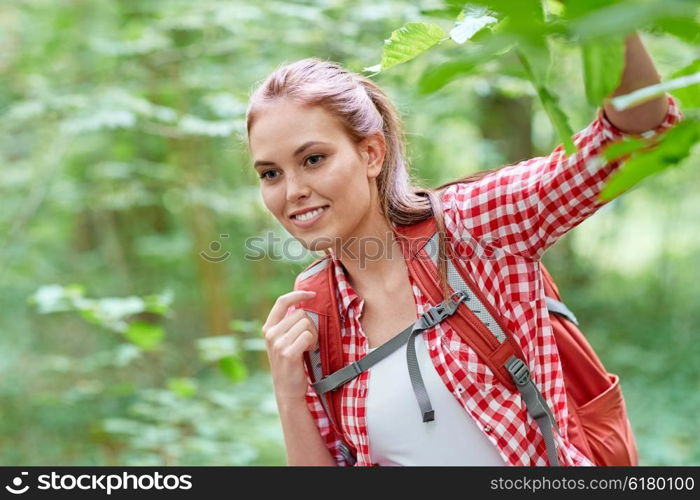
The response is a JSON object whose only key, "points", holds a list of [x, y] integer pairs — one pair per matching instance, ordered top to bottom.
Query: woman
{"points": [[329, 149]]}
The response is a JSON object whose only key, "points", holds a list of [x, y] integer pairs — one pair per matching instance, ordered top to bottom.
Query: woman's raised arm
{"points": [[639, 71], [523, 209]]}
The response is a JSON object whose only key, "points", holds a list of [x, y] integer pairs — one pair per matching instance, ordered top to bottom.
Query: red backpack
{"points": [[598, 425]]}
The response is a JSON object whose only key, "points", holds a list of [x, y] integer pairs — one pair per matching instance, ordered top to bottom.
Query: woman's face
{"points": [[305, 160]]}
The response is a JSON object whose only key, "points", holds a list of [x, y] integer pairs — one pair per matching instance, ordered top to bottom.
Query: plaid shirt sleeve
{"points": [[524, 208]]}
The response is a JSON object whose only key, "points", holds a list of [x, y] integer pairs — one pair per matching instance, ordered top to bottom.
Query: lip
{"points": [[310, 222]]}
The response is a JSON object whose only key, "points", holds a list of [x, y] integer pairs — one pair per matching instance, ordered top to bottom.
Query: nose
{"points": [[297, 188]]}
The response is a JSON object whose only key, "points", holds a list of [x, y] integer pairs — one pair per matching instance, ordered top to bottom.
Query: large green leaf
{"points": [[578, 8], [591, 20], [685, 28], [409, 41], [603, 62], [439, 75], [436, 77], [689, 96], [674, 145]]}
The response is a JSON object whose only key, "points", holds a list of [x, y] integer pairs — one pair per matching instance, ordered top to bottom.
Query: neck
{"points": [[372, 258]]}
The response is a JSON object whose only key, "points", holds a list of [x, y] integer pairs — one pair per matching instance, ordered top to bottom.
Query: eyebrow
{"points": [[300, 149]]}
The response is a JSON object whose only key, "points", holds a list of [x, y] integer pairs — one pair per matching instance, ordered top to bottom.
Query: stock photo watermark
{"points": [[272, 247], [107, 483]]}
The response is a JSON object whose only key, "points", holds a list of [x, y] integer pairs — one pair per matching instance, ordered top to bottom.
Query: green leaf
{"points": [[578, 8], [604, 18], [474, 20], [684, 28], [409, 41], [489, 48], [539, 61], [603, 61], [436, 77], [689, 96], [559, 120], [675, 145], [627, 146], [145, 335], [234, 368], [183, 387]]}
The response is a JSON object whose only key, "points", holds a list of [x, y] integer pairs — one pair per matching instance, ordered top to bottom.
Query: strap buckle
{"points": [[438, 312], [518, 371]]}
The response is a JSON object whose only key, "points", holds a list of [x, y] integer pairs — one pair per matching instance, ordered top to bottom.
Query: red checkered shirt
{"points": [[520, 211]]}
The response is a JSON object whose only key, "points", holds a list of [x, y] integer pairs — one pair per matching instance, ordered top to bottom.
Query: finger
{"points": [[284, 302], [281, 328], [288, 338], [303, 342]]}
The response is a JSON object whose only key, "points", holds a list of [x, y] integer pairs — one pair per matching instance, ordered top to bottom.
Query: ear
{"points": [[373, 150]]}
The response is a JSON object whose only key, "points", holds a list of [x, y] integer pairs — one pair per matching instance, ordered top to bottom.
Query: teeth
{"points": [[309, 215]]}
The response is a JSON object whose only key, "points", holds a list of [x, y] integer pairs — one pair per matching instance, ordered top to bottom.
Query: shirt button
{"points": [[460, 389], [487, 428]]}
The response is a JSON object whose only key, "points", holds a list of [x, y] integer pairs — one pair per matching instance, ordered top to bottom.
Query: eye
{"points": [[314, 156], [264, 176]]}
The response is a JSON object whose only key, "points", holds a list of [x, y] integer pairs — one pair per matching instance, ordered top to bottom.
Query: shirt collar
{"points": [[347, 294]]}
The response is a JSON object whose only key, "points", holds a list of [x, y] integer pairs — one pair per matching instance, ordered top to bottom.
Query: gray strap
{"points": [[557, 307], [430, 318], [349, 372], [419, 389], [535, 403], [346, 453]]}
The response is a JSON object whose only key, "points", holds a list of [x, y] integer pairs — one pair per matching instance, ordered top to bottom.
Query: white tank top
{"points": [[397, 434]]}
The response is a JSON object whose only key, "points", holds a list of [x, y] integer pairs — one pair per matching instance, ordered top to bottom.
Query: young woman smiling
{"points": [[329, 149]]}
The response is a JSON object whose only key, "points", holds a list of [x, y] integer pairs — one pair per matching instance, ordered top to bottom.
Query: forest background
{"points": [[131, 309]]}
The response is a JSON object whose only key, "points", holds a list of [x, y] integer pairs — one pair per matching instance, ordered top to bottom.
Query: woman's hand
{"points": [[286, 339]]}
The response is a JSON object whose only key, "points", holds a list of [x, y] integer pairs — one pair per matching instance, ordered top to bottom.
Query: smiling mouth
{"points": [[311, 214]]}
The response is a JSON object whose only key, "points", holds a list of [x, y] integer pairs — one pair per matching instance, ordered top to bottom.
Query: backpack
{"points": [[597, 424]]}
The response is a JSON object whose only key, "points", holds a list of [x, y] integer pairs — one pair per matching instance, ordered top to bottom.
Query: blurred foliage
{"points": [[526, 27], [132, 311]]}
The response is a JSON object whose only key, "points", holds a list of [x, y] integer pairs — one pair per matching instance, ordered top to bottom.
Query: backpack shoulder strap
{"points": [[478, 324]]}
